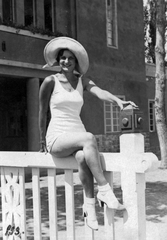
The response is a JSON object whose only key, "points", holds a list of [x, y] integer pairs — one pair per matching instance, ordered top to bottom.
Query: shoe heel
{"points": [[101, 204], [84, 214], [90, 218]]}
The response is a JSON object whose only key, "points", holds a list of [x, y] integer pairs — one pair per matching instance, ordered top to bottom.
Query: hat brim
{"points": [[53, 47]]}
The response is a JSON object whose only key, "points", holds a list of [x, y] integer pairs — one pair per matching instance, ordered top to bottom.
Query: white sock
{"points": [[104, 188], [89, 200]]}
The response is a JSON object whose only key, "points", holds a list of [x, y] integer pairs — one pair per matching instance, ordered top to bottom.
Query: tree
{"points": [[150, 30], [160, 80]]}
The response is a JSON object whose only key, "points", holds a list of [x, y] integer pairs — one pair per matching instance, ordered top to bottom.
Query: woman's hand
{"points": [[122, 104], [43, 147]]}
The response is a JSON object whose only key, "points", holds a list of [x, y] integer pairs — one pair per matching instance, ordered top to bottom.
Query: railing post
{"points": [[133, 186]]}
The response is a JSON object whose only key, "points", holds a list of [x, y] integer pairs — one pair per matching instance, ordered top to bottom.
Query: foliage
{"points": [[149, 12], [31, 28], [150, 31]]}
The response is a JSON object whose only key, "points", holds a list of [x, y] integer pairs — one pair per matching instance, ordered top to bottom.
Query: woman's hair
{"points": [[60, 54]]}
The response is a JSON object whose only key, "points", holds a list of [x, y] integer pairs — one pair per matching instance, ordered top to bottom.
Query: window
{"points": [[49, 6], [8, 9], [30, 12], [42, 16], [111, 23], [151, 112], [111, 116]]}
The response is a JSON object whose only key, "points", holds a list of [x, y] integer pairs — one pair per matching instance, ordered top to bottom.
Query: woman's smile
{"points": [[67, 60]]}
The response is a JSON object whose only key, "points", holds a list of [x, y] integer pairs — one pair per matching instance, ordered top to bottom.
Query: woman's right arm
{"points": [[44, 99]]}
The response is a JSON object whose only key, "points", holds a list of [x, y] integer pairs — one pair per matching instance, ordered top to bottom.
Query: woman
{"points": [[66, 134]]}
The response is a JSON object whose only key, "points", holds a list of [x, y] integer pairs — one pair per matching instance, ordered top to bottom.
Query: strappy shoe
{"points": [[109, 199], [90, 214]]}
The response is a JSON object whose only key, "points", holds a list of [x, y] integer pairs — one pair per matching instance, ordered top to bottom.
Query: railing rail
{"points": [[131, 164]]}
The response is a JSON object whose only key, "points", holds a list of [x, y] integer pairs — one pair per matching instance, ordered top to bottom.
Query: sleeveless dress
{"points": [[65, 108]]}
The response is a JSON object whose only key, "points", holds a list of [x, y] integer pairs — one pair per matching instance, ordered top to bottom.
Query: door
{"points": [[13, 120]]}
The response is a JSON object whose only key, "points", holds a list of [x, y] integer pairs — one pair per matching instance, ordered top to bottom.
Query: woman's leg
{"points": [[68, 143], [85, 174], [86, 178]]}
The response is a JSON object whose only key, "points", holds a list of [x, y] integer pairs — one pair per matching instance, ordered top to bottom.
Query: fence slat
{"points": [[52, 198], [22, 202], [36, 203], [109, 213], [70, 214], [89, 233]]}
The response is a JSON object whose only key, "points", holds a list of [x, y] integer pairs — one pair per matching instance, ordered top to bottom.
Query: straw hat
{"points": [[53, 47]]}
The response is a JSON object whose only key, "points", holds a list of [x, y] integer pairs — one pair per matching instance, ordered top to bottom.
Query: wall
{"points": [[22, 48], [122, 70]]}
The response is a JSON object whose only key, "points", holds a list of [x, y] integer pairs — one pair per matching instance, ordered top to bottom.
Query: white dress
{"points": [[65, 108]]}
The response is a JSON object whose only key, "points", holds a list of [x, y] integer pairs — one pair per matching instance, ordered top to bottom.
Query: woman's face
{"points": [[67, 61]]}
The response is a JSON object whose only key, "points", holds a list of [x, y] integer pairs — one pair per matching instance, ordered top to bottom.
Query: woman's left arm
{"points": [[104, 95]]}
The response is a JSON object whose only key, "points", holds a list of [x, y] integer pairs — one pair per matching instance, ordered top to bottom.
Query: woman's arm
{"points": [[104, 95], [44, 98]]}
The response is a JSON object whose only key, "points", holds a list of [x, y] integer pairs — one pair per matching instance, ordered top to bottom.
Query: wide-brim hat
{"points": [[53, 47]]}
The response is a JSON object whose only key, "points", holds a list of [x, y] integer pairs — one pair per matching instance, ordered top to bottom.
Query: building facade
{"points": [[112, 33]]}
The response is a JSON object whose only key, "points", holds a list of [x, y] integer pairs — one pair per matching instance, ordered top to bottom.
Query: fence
{"points": [[131, 162]]}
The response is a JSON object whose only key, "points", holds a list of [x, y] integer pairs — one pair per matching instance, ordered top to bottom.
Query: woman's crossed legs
{"points": [[84, 145]]}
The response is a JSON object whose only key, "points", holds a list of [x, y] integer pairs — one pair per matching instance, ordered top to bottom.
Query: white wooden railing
{"points": [[131, 162]]}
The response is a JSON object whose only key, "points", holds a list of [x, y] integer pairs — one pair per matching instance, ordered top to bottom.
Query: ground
{"points": [[156, 207]]}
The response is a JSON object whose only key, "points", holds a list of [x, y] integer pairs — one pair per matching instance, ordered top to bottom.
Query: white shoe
{"points": [[110, 200], [89, 213]]}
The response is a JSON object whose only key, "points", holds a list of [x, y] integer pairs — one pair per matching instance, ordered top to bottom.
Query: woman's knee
{"points": [[90, 140], [79, 156], [85, 173]]}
